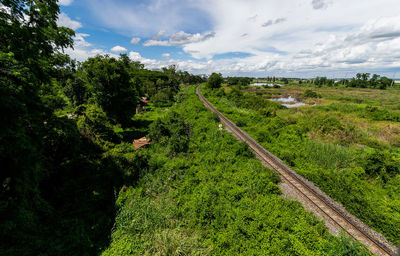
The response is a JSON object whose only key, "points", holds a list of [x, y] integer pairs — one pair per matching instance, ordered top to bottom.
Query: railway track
{"points": [[325, 205]]}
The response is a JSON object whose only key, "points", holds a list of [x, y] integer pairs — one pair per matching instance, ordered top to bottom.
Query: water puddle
{"points": [[265, 84], [285, 99], [289, 102], [294, 105]]}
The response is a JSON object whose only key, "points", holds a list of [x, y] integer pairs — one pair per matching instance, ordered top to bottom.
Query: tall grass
{"points": [[328, 155]]}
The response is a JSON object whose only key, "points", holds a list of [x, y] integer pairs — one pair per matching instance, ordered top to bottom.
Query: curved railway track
{"points": [[322, 203]]}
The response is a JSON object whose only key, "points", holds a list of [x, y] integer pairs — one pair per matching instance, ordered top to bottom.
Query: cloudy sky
{"points": [[295, 38]]}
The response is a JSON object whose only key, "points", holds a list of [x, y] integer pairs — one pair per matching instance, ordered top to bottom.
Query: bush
{"points": [[220, 92], [310, 94], [163, 98], [378, 114], [171, 131], [380, 163]]}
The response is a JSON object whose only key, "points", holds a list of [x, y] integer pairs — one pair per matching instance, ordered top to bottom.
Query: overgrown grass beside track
{"points": [[350, 150]]}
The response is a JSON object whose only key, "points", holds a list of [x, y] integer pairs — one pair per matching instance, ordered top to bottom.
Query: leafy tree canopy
{"points": [[214, 81]]}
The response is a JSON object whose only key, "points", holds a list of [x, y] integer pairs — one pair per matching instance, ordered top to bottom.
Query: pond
{"points": [[265, 84], [289, 102], [297, 104]]}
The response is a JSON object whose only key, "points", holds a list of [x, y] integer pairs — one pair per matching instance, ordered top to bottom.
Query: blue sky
{"points": [[302, 38]]}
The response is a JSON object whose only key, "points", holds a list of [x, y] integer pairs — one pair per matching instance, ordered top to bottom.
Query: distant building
{"points": [[141, 142]]}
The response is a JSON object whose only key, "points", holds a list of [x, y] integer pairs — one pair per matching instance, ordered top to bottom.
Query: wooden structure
{"points": [[141, 142]]}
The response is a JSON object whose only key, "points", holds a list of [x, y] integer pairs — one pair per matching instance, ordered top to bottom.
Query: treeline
{"points": [[183, 77], [362, 80], [243, 81], [365, 81], [116, 86], [61, 155]]}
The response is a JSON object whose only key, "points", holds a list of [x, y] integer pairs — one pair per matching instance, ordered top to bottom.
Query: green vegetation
{"points": [[362, 80], [214, 81], [242, 81], [310, 94], [66, 133], [348, 145], [66, 150], [212, 198]]}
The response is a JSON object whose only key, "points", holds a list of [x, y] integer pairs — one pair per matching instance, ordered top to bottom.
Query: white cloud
{"points": [[65, 2], [319, 4], [144, 18], [65, 21], [273, 22], [158, 35], [345, 36], [305, 37], [180, 38], [135, 40], [80, 41], [83, 49], [118, 49], [165, 55], [135, 56]]}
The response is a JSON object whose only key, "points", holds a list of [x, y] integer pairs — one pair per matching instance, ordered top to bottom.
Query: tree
{"points": [[29, 30], [28, 54], [214, 81], [243, 81], [384, 82], [112, 86], [76, 89], [45, 161]]}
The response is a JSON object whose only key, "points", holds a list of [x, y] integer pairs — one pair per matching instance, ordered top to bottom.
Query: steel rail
{"points": [[276, 164]]}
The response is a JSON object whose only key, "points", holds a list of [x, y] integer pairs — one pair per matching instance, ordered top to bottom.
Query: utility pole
{"points": [[345, 77], [394, 77]]}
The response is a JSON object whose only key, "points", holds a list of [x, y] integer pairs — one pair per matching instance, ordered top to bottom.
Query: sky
{"points": [[291, 38]]}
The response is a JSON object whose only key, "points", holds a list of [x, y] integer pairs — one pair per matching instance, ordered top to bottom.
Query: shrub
{"points": [[310, 94], [171, 131], [380, 163]]}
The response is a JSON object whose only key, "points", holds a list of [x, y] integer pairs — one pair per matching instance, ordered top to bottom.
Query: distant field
{"points": [[389, 99], [347, 141]]}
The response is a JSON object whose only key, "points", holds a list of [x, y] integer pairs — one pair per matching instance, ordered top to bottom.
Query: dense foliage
{"points": [[215, 80], [362, 80], [242, 81], [64, 127], [171, 132], [350, 149], [57, 189]]}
